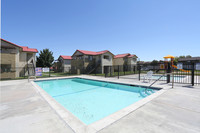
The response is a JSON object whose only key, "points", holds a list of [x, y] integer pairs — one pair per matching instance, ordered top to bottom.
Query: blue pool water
{"points": [[91, 100]]}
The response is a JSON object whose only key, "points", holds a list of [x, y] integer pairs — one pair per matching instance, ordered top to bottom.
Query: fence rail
{"points": [[189, 76]]}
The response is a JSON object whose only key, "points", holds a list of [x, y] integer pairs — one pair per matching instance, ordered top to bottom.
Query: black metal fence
{"points": [[121, 70], [25, 72], [16, 73], [189, 75]]}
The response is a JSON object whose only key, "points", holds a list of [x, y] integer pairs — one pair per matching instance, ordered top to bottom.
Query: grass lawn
{"points": [[55, 74]]}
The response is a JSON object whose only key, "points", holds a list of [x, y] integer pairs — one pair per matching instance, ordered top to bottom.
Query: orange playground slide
{"points": [[180, 69]]}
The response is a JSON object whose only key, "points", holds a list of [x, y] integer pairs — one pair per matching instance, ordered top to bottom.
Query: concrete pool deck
{"points": [[23, 110]]}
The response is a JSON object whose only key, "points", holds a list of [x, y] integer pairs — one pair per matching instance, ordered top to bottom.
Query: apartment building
{"points": [[16, 59], [89, 61]]}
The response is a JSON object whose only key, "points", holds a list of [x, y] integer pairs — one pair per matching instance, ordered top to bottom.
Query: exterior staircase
{"points": [[93, 67]]}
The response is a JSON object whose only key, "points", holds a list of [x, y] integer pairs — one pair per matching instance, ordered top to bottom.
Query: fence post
{"points": [[124, 69], [134, 69], [28, 71], [34, 71], [105, 71], [110, 71], [118, 71], [168, 71], [24, 72], [49, 72], [139, 72], [192, 76]]}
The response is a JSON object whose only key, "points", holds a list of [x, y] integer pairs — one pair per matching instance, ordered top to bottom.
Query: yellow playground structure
{"points": [[172, 62]]}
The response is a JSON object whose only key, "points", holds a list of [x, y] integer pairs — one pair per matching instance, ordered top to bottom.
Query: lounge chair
{"points": [[148, 76]]}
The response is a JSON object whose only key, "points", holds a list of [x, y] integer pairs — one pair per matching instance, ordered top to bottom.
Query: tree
{"points": [[182, 56], [188, 56], [45, 58], [176, 60], [154, 63]]}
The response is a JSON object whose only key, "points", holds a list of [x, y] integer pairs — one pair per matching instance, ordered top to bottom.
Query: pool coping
{"points": [[76, 124]]}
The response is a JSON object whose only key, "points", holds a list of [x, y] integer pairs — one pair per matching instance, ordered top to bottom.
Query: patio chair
{"points": [[148, 76]]}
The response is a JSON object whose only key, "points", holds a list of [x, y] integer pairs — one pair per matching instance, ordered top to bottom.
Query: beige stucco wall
{"points": [[7, 58], [25, 58], [22, 60], [118, 61], [121, 61], [125, 61], [132, 61], [85, 62], [106, 62], [20, 63], [78, 64], [66, 65]]}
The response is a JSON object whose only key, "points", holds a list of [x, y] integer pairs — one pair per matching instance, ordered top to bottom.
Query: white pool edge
{"points": [[77, 125]]}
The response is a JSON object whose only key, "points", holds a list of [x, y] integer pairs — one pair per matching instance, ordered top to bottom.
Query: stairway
{"points": [[31, 68], [92, 68], [146, 92]]}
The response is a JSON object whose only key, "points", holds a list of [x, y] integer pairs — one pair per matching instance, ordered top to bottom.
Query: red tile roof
{"points": [[10, 42], [24, 48], [102, 52], [93, 53], [122, 55], [131, 56], [66, 57]]}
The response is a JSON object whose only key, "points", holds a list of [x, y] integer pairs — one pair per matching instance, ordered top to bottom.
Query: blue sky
{"points": [[150, 29]]}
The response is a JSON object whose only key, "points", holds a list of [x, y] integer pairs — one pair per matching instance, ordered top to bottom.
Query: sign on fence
{"points": [[162, 66], [180, 66], [197, 66], [46, 69], [38, 71]]}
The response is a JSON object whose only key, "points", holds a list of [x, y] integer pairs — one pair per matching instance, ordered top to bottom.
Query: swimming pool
{"points": [[91, 100]]}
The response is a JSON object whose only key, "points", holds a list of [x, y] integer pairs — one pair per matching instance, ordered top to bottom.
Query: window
{"points": [[22, 56], [79, 57], [90, 57], [106, 57], [134, 59], [67, 62], [5, 68]]}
